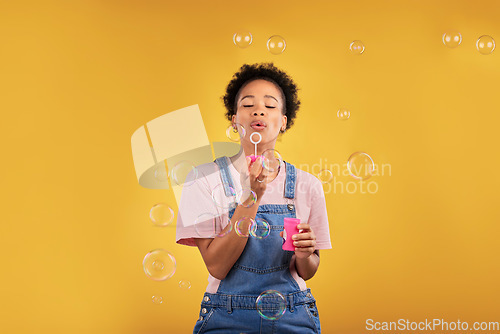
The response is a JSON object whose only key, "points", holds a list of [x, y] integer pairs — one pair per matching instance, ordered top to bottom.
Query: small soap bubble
{"points": [[242, 39], [452, 39], [276, 44], [485, 44], [357, 47], [343, 114], [235, 132], [272, 160], [360, 165], [160, 172], [184, 173], [325, 176], [246, 197], [220, 198], [161, 214], [206, 224], [242, 226], [260, 228], [159, 265], [184, 284], [157, 300], [271, 305]]}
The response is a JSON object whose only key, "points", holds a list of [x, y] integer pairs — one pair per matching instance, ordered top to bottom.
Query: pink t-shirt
{"points": [[197, 203]]}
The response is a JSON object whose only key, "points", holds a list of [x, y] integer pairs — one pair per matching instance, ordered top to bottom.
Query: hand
{"points": [[256, 174], [304, 241]]}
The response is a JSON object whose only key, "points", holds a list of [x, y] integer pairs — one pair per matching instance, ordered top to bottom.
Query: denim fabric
{"points": [[263, 265], [229, 314]]}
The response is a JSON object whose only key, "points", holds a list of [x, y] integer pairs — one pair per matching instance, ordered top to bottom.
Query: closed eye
{"points": [[249, 106]]}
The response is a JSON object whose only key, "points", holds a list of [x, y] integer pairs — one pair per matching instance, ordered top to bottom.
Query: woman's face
{"points": [[259, 109]]}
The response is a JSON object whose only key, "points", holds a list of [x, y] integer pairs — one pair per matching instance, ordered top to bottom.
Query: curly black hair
{"points": [[269, 72]]}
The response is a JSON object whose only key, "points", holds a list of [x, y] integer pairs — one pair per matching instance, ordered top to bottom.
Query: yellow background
{"points": [[79, 77]]}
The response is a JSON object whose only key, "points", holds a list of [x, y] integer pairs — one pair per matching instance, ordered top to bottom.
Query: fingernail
{"points": [[294, 237]]}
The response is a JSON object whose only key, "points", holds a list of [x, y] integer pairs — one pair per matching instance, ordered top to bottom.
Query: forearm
{"points": [[223, 252], [306, 268]]}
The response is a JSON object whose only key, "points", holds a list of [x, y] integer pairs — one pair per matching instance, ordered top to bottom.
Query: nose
{"points": [[257, 114]]}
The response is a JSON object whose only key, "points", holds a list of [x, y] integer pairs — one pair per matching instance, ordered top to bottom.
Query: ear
{"points": [[233, 119], [284, 122]]}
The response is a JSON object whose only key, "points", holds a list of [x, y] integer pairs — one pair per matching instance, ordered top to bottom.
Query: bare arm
{"points": [[221, 253], [306, 258], [306, 268]]}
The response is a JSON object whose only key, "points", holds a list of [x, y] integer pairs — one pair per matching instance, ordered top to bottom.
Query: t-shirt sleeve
{"points": [[197, 216], [318, 217]]}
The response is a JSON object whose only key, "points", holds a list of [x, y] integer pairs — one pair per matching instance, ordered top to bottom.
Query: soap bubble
{"points": [[242, 39], [452, 39], [276, 44], [485, 44], [357, 47], [343, 114], [236, 132], [272, 160], [360, 165], [160, 172], [179, 173], [325, 176], [246, 197], [220, 199], [161, 214], [205, 225], [243, 225], [260, 228], [159, 264], [184, 284], [157, 300], [271, 305]]}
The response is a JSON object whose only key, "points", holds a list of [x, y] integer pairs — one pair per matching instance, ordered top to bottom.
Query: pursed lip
{"points": [[258, 125]]}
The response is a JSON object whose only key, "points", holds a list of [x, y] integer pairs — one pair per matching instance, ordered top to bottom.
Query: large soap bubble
{"points": [[159, 264], [271, 305]]}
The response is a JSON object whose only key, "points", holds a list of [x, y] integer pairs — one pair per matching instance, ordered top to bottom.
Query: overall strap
{"points": [[291, 175], [227, 180]]}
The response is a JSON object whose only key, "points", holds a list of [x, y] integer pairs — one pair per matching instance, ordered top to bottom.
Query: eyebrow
{"points": [[254, 96]]}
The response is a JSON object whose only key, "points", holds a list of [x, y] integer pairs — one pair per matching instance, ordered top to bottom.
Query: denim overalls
{"points": [[263, 265]]}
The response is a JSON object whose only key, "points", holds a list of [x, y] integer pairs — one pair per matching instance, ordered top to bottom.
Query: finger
{"points": [[249, 162], [256, 167], [265, 171], [263, 174], [304, 226], [303, 236], [304, 243], [307, 250]]}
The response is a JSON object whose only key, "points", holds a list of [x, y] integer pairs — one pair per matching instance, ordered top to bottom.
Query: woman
{"points": [[242, 263]]}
